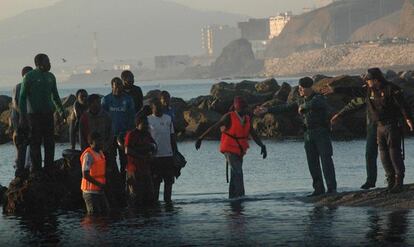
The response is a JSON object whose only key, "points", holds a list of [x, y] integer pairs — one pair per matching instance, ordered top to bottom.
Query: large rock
{"points": [[236, 59], [267, 86], [283, 93], [4, 103], [199, 121], [278, 126], [52, 188], [2, 194]]}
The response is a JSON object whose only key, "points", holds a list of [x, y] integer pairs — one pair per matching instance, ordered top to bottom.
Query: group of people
{"points": [[116, 125], [143, 137]]}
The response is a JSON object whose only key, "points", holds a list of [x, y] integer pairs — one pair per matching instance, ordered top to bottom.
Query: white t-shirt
{"points": [[161, 129]]}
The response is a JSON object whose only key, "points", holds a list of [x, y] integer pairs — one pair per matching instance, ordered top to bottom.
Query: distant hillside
{"points": [[340, 22], [126, 29]]}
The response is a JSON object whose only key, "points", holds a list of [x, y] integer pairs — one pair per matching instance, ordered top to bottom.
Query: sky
{"points": [[253, 8]]}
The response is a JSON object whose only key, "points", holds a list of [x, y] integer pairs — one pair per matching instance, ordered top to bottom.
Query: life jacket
{"points": [[236, 139], [97, 170]]}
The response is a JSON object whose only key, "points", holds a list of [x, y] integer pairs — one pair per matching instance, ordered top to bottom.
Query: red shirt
{"points": [[134, 139]]}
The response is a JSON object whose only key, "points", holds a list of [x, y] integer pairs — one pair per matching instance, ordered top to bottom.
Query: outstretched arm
{"points": [[224, 121]]}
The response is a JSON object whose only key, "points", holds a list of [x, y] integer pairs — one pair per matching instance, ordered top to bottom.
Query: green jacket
{"points": [[39, 94], [315, 111]]}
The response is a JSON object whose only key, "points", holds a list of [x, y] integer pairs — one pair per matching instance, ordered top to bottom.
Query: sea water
{"points": [[272, 213]]}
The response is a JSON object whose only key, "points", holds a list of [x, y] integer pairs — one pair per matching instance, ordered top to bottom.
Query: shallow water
{"points": [[271, 214]]}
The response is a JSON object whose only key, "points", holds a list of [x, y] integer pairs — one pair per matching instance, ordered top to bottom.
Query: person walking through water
{"points": [[39, 98], [387, 106], [79, 107], [120, 107], [236, 130], [162, 131], [20, 135], [318, 146], [371, 147], [93, 176]]}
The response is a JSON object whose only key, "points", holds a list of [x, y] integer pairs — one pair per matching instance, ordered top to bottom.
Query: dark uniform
{"points": [[386, 107], [318, 145], [371, 147]]}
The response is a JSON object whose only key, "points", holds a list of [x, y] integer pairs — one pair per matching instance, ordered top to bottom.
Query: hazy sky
{"points": [[255, 8]]}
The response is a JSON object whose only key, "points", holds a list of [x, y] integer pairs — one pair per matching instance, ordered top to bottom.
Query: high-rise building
{"points": [[215, 37]]}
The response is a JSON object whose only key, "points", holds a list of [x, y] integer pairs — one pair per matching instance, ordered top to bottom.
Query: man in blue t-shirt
{"points": [[121, 108]]}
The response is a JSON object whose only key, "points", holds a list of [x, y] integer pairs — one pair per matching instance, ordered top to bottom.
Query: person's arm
{"points": [[23, 97], [56, 99], [140, 99], [105, 104], [293, 106], [353, 106], [404, 108], [131, 113], [14, 120], [224, 121], [83, 131], [109, 138], [259, 142], [174, 145], [86, 164]]}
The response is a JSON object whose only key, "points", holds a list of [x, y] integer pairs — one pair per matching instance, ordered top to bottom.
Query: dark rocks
{"points": [[236, 59], [267, 86], [283, 93], [4, 103], [199, 121], [278, 126], [53, 187], [2, 194]]}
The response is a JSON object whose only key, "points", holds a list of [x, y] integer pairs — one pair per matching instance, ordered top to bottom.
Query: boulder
{"points": [[391, 75], [318, 77], [246, 85], [266, 86], [283, 93], [4, 103], [199, 121], [278, 126], [4, 134], [54, 187]]}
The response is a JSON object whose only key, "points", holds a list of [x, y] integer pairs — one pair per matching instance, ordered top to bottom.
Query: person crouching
{"points": [[139, 148], [93, 176]]}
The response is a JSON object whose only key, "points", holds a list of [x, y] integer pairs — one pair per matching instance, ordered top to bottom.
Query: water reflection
{"points": [[391, 227], [43, 229], [319, 229]]}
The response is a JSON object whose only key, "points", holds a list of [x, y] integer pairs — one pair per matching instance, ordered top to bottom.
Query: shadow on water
{"points": [[388, 228], [41, 229]]}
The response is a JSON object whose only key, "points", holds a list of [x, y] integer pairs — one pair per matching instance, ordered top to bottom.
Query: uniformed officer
{"points": [[386, 105], [318, 146]]}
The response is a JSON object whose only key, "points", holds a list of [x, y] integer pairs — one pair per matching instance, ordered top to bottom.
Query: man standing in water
{"points": [[132, 90], [39, 99], [386, 106], [236, 131], [19, 134], [318, 146]]}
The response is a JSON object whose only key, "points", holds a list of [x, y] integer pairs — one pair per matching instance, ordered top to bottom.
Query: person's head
{"points": [[42, 62], [26, 70], [374, 77], [127, 78], [117, 86], [305, 86], [82, 96], [165, 98], [94, 103], [155, 105], [240, 105], [141, 121], [95, 141]]}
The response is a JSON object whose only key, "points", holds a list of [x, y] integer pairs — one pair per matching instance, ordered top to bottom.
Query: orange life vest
{"points": [[236, 139], [97, 170]]}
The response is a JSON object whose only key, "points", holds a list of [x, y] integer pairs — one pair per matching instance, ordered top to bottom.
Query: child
{"points": [[79, 108], [139, 148], [93, 176]]}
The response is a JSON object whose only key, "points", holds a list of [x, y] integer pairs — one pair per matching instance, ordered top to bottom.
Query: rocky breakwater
{"points": [[379, 198]]}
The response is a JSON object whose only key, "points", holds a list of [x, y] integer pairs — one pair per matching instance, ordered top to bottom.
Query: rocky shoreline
{"points": [[194, 116], [378, 198]]}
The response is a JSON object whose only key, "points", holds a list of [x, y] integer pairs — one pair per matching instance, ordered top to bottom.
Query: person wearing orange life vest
{"points": [[236, 130], [93, 176]]}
